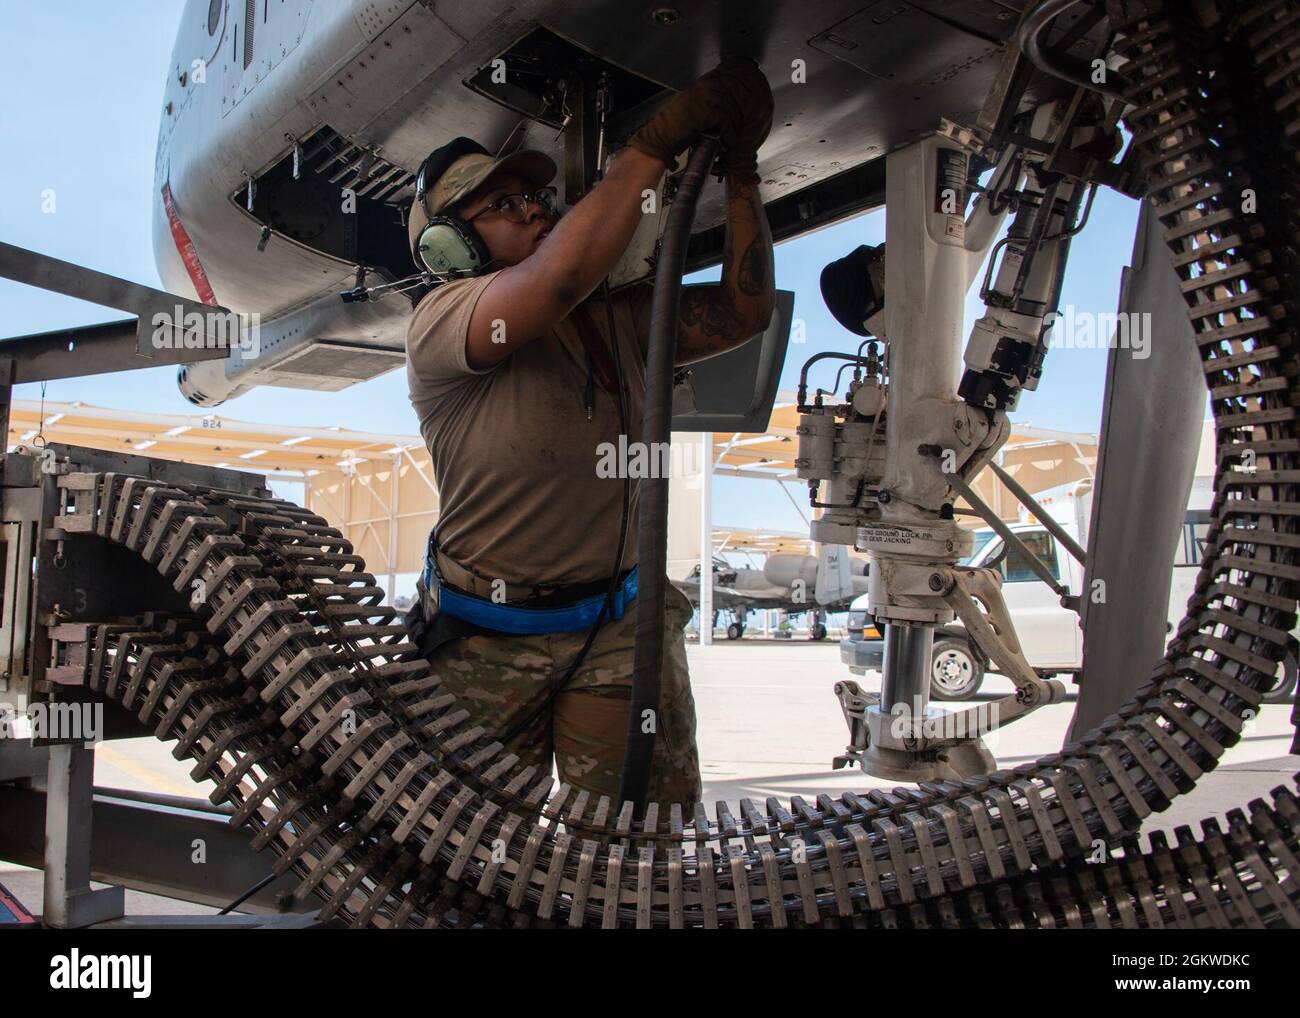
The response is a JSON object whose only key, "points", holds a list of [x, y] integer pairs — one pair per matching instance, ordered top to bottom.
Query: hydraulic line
{"points": [[801, 398], [652, 518]]}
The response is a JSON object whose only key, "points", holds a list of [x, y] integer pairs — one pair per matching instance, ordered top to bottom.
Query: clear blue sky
{"points": [[82, 84]]}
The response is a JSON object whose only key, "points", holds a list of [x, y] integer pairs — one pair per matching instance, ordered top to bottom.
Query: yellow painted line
{"points": [[154, 780]]}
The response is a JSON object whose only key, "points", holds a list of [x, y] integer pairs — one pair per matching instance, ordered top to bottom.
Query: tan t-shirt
{"points": [[514, 455]]}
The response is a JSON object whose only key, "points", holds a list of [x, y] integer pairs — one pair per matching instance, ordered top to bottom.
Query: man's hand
{"points": [[733, 101], [742, 138], [527, 299], [714, 319]]}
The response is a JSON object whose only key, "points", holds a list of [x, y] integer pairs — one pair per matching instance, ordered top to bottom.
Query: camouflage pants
{"points": [[503, 680]]}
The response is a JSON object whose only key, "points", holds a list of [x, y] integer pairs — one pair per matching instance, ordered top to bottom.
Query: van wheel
{"points": [[733, 631], [955, 673], [1281, 692]]}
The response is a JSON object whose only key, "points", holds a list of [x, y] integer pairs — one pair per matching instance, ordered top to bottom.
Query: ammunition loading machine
{"points": [[58, 574]]}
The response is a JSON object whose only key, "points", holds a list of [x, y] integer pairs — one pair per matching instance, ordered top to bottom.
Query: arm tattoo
{"points": [[753, 269], [708, 313], [711, 320], [708, 324]]}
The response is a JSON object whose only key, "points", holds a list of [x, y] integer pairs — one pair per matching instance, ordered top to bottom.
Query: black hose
{"points": [[801, 399], [652, 518], [248, 894]]}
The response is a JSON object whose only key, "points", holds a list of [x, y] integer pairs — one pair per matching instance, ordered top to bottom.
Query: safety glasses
{"points": [[515, 206]]}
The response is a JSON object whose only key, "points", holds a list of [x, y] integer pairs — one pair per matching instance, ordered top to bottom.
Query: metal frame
{"points": [[97, 349], [39, 593], [143, 842], [69, 899]]}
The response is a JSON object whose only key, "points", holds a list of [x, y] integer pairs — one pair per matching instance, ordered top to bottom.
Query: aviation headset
{"points": [[448, 246]]}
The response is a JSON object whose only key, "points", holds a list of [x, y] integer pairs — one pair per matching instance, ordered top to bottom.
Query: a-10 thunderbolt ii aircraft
{"points": [[789, 583]]}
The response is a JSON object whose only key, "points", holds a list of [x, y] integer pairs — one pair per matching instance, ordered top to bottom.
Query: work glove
{"points": [[733, 101]]}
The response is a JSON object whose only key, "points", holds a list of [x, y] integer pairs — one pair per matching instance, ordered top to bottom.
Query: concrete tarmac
{"points": [[769, 724]]}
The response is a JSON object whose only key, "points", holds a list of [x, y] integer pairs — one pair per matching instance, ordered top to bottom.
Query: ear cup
{"points": [[449, 247]]}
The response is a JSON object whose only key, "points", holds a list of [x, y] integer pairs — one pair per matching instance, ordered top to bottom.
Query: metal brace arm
{"points": [[1029, 502], [1007, 534], [994, 633]]}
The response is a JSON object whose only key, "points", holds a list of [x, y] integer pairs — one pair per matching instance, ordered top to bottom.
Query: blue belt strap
{"points": [[509, 618]]}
